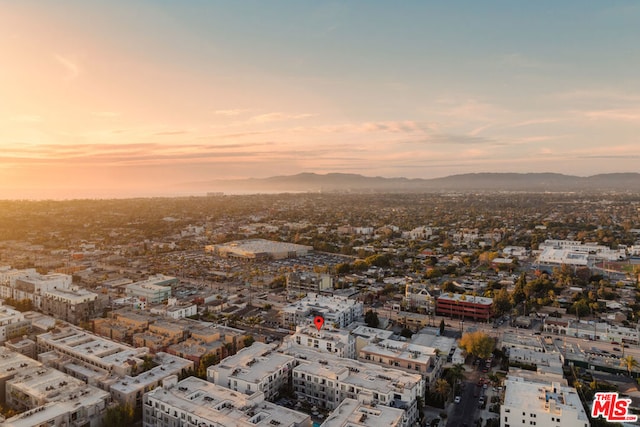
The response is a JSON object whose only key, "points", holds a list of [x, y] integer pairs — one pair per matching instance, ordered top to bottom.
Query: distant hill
{"points": [[342, 182]]}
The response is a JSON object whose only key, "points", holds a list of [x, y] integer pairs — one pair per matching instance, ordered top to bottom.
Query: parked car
{"points": [[457, 399]]}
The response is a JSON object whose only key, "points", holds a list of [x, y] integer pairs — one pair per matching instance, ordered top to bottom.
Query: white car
{"points": [[457, 399]]}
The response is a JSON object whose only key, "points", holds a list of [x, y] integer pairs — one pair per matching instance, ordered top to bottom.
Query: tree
{"points": [[501, 302], [371, 319], [442, 326], [406, 332], [248, 340], [477, 344], [206, 361], [629, 362], [455, 374], [443, 388], [118, 416]]}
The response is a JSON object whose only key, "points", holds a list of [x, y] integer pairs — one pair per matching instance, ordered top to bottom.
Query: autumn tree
{"points": [[477, 344]]}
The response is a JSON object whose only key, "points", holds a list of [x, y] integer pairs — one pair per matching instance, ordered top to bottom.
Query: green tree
{"points": [[501, 302], [371, 319], [442, 326], [406, 332], [248, 340], [477, 344], [206, 361], [455, 374], [118, 416]]}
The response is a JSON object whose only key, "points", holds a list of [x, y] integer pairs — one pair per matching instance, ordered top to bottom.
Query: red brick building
{"points": [[464, 306]]}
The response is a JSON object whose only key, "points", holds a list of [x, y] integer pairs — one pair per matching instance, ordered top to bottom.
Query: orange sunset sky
{"points": [[119, 99]]}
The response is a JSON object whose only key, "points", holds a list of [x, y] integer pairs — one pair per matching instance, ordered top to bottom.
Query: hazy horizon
{"points": [[132, 99]]}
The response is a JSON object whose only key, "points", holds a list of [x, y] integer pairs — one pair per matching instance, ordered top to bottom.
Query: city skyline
{"points": [[112, 98]]}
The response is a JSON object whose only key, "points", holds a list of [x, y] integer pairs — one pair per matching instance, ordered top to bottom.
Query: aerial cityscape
{"points": [[319, 214]]}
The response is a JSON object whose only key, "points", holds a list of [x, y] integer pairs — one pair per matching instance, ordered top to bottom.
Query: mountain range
{"points": [[341, 182]]}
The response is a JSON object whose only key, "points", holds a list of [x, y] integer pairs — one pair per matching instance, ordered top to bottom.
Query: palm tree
{"points": [[629, 362], [455, 374], [443, 388]]}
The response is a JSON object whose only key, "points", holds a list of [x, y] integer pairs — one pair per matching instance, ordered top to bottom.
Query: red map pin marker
{"points": [[318, 321]]}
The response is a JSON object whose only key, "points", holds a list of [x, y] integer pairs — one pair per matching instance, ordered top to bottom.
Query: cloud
{"points": [[72, 69], [234, 112], [621, 114], [275, 117], [172, 132]]}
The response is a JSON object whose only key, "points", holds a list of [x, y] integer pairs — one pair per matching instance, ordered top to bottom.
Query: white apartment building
{"points": [[31, 285], [155, 290], [174, 309], [336, 310], [12, 323], [598, 331], [366, 335], [326, 340], [88, 353], [409, 357], [547, 362], [11, 363], [257, 368], [325, 381], [131, 389], [46, 396], [195, 402], [541, 404], [353, 413]]}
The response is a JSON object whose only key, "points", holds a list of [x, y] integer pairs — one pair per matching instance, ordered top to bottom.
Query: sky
{"points": [[120, 98]]}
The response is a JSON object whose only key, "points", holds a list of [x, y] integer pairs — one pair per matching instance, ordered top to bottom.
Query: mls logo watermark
{"points": [[611, 408]]}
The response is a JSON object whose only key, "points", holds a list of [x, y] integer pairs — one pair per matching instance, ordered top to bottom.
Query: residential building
{"points": [[302, 282], [155, 290], [418, 297], [72, 305], [336, 310], [12, 323], [325, 340], [78, 350], [407, 356], [11, 363], [257, 368], [326, 380], [130, 389], [45, 396], [195, 402], [541, 404], [351, 412]]}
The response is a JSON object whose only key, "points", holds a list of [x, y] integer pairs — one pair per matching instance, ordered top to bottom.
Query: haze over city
{"points": [[121, 99]]}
